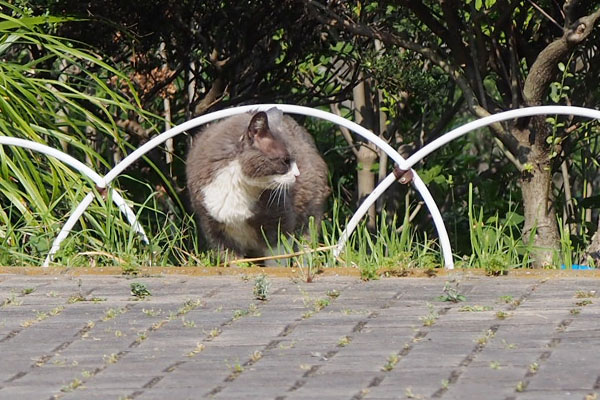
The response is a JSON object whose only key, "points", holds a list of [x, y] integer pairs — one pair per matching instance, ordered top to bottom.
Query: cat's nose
{"points": [[295, 169]]}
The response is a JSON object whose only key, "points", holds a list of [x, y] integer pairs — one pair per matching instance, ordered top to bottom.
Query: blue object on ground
{"points": [[577, 266]]}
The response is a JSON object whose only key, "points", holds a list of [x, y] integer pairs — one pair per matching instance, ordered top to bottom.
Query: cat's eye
{"points": [[287, 161]]}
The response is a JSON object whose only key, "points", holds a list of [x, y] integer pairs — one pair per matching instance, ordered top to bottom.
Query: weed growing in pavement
{"points": [[262, 285], [139, 290], [451, 293], [585, 294], [506, 299], [475, 308], [112, 313], [502, 314], [431, 317], [483, 340], [199, 347], [256, 355], [391, 362]]}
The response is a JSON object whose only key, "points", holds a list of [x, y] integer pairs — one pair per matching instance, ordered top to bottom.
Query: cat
{"points": [[252, 177]]}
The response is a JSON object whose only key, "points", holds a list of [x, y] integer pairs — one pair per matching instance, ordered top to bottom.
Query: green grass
{"points": [[496, 242]]}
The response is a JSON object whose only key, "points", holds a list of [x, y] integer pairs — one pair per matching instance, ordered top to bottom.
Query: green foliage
{"points": [[55, 92], [497, 244], [393, 251]]}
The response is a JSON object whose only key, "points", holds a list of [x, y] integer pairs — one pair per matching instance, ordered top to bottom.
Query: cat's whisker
{"points": [[274, 194], [281, 194]]}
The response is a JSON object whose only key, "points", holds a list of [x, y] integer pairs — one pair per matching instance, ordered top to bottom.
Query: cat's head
{"points": [[264, 157]]}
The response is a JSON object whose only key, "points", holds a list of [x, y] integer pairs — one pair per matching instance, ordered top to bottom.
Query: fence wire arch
{"points": [[402, 163]]}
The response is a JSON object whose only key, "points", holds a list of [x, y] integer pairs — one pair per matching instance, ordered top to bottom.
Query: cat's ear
{"points": [[258, 126], [260, 137]]}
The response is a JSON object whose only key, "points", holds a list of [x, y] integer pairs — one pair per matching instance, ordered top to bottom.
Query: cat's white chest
{"points": [[229, 199]]}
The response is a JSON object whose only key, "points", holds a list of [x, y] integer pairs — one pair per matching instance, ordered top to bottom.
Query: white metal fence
{"points": [[103, 182]]}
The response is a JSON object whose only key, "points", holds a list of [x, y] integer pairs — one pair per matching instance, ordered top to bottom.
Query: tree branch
{"points": [[544, 68]]}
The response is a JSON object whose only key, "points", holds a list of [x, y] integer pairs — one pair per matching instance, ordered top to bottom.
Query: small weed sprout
{"points": [[262, 285], [139, 290], [27, 291], [451, 293], [585, 294], [76, 298], [506, 299], [11, 301], [583, 303], [321, 304], [189, 305], [475, 308], [56, 310], [575, 311], [151, 312], [112, 313], [237, 314], [502, 314], [431, 317], [188, 323], [213, 333], [141, 336], [344, 341], [482, 341], [199, 347], [256, 355], [111, 359], [391, 362], [494, 365], [236, 367], [533, 367], [74, 384], [521, 386], [409, 394]]}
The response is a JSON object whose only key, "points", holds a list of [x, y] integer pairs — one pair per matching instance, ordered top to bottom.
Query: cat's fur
{"points": [[253, 176]]}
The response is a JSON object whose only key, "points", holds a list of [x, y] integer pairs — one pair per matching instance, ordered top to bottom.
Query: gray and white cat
{"points": [[255, 176]]}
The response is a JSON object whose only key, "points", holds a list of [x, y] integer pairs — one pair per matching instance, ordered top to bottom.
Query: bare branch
{"points": [[345, 132]]}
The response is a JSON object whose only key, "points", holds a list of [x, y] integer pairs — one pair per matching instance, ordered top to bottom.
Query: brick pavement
{"points": [[87, 337]]}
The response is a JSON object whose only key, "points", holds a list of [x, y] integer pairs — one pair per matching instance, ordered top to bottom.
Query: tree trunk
{"points": [[367, 153], [536, 184], [540, 218], [540, 229]]}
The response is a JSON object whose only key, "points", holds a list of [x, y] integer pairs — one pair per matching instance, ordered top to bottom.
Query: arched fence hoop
{"points": [[287, 108], [447, 138], [84, 170]]}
